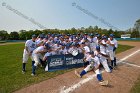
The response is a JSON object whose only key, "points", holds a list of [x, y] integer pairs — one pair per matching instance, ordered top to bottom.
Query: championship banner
{"points": [[59, 62]]}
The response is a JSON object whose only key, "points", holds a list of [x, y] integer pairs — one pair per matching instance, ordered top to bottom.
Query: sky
{"points": [[15, 15]]}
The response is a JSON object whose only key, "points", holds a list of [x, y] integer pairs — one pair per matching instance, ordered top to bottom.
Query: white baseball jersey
{"points": [[95, 40], [38, 41], [115, 42], [31, 45], [109, 47], [41, 48], [86, 48], [103, 48], [63, 51], [49, 54], [37, 56], [102, 58], [94, 62]]}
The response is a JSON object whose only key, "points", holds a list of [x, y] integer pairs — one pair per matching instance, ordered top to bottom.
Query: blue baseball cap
{"points": [[53, 35], [111, 35], [34, 36], [41, 36], [47, 45], [98, 48]]}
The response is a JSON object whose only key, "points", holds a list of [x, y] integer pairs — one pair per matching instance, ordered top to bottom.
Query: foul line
{"points": [[79, 84]]}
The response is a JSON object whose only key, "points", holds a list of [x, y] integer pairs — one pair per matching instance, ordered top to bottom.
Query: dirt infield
{"points": [[120, 80]]}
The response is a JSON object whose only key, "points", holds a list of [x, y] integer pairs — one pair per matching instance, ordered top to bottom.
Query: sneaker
{"points": [[111, 68], [23, 72], [32, 74], [77, 74], [103, 83]]}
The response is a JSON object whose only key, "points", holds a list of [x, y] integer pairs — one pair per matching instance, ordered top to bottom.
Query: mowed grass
{"points": [[122, 48], [11, 77], [136, 87]]}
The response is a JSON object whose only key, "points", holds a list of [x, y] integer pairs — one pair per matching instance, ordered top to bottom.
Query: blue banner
{"points": [[59, 62]]}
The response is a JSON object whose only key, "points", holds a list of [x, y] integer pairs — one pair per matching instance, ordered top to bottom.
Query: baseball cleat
{"points": [[23, 72], [32, 74], [77, 74], [103, 83]]}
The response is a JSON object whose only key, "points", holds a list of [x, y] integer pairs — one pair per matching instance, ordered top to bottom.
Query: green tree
{"points": [[22, 34], [135, 34], [4, 35], [14, 36]]}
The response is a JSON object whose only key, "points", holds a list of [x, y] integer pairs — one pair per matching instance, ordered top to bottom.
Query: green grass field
{"points": [[11, 77]]}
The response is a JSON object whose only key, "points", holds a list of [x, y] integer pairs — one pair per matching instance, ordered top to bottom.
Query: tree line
{"points": [[24, 35]]}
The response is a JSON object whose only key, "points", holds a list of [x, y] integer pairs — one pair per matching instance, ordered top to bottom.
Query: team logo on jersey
{"points": [[33, 46]]}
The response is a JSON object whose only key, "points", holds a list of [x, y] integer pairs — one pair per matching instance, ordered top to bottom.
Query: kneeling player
{"points": [[38, 54], [102, 58], [94, 65]]}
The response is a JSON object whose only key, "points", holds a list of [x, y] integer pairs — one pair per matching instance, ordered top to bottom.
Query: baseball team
{"points": [[99, 51]]}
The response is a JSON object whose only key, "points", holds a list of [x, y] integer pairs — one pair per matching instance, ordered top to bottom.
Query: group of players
{"points": [[97, 49]]}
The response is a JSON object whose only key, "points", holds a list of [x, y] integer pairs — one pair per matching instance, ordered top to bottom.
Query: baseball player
{"points": [[40, 39], [103, 44], [30, 45], [110, 46], [56, 47], [72, 48], [114, 49], [63, 50], [86, 51], [49, 52], [101, 54], [37, 55], [93, 65]]}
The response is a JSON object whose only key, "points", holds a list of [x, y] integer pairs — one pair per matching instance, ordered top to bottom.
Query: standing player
{"points": [[30, 45], [110, 47], [115, 47]]}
